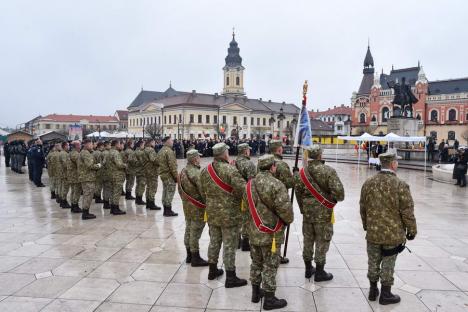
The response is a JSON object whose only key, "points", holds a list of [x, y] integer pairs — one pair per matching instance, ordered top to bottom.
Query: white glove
{"points": [[99, 166]]}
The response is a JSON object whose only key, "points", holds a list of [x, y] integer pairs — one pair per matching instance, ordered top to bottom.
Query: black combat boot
{"points": [[123, 193], [52, 195], [128, 196], [57, 199], [98, 200], [139, 201], [64, 204], [106, 204], [150, 205], [76, 209], [115, 210], [168, 212], [86, 215], [245, 244], [189, 256], [284, 260], [197, 261], [309, 269], [214, 272], [321, 275], [233, 281], [373, 291], [257, 293], [386, 297], [271, 302]]}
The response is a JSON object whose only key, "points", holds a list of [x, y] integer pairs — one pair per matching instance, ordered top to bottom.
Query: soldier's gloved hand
{"points": [[99, 165], [295, 169], [409, 236]]}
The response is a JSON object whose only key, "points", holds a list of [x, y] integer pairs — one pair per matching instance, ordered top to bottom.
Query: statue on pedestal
{"points": [[403, 100]]}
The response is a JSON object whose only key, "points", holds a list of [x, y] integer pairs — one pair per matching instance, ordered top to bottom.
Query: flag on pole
{"points": [[303, 130]]}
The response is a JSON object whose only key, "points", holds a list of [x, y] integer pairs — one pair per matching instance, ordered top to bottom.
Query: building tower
{"points": [[233, 70], [368, 71]]}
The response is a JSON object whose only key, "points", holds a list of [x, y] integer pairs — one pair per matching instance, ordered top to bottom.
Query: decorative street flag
{"points": [[303, 130]]}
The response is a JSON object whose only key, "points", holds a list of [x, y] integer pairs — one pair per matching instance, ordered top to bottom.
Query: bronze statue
{"points": [[403, 100]]}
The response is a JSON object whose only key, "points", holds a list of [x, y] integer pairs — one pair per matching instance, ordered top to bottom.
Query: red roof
{"points": [[340, 110], [122, 114], [78, 118]]}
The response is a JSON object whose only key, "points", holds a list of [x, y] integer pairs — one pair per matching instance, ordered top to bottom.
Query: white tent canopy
{"points": [[102, 134], [391, 137]]}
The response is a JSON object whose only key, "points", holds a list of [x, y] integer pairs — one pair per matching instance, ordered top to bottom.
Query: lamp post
{"points": [[281, 117], [272, 124], [293, 125]]}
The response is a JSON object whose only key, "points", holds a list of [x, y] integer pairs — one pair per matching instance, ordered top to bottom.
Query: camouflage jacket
{"points": [[97, 155], [128, 156], [140, 161], [152, 162], [52, 163], [62, 164], [167, 164], [72, 166], [116, 166], [87, 167], [246, 167], [104, 173], [283, 173], [326, 181], [190, 182], [273, 203], [223, 209], [387, 209]]}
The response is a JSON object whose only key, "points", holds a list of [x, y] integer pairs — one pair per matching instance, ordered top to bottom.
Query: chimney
{"points": [[194, 91], [216, 95], [260, 99], [269, 101], [334, 106]]}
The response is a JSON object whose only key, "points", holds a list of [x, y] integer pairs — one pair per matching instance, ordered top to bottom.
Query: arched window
{"points": [[227, 81], [237, 81], [385, 114], [452, 115], [434, 116], [418, 117], [362, 118], [373, 118], [434, 135], [451, 135]]}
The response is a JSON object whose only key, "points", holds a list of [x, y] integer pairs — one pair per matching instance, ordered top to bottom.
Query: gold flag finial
{"points": [[304, 88]]}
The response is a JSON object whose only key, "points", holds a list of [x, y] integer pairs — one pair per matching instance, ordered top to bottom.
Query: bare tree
{"points": [[153, 130]]}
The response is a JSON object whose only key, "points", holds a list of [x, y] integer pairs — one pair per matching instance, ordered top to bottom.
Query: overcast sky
{"points": [[93, 57]]}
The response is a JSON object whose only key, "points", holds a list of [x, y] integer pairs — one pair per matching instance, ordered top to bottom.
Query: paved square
{"points": [[50, 260]]}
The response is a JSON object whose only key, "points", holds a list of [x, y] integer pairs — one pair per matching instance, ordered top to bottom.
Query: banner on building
{"points": [[75, 132]]}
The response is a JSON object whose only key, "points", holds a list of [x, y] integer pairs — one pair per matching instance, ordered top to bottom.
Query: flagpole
{"points": [[296, 163]]}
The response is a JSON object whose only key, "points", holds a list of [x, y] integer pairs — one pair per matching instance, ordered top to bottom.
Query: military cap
{"points": [[166, 138], [275, 143], [243, 146], [219, 148], [314, 151], [193, 153], [387, 158], [266, 161]]}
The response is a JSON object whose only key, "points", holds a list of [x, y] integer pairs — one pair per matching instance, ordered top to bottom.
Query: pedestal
{"points": [[403, 126]]}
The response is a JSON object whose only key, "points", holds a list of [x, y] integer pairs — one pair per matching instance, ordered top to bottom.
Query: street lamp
{"points": [[281, 117], [272, 124]]}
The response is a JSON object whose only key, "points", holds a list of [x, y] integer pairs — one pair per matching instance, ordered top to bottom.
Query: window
{"points": [[227, 81], [237, 81], [385, 114], [452, 115], [434, 116], [418, 117], [180, 118], [191, 118], [200, 118], [362, 118], [373, 118], [159, 119], [170, 119], [207, 119], [215, 119], [224, 119], [165, 120], [175, 120], [234, 120], [245, 121], [252, 121], [258, 121], [264, 121], [279, 123], [287, 124], [47, 126], [57, 126], [339, 127], [199, 135], [434, 135], [451, 135]]}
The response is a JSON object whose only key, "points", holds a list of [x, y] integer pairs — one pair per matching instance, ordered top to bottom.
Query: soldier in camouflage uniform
{"points": [[97, 154], [51, 158], [129, 160], [87, 169], [116, 170], [151, 170], [247, 170], [72, 171], [283, 172], [168, 173], [140, 174], [105, 176], [64, 183], [272, 205], [194, 208], [387, 213], [224, 216], [317, 226]]}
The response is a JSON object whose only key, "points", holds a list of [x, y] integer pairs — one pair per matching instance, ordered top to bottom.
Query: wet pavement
{"points": [[51, 260]]}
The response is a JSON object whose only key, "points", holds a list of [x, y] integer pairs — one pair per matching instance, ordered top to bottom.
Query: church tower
{"points": [[233, 70]]}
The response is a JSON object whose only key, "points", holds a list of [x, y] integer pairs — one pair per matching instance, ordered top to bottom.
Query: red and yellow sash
{"points": [[217, 180], [319, 197], [192, 200]]}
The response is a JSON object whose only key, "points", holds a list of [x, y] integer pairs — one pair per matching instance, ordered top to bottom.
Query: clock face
{"points": [[362, 102]]}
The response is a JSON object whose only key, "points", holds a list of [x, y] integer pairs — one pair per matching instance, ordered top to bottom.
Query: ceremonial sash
{"points": [[217, 180], [319, 197], [195, 202], [256, 217]]}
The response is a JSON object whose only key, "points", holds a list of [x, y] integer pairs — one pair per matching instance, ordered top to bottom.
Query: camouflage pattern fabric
{"points": [[97, 155], [52, 159], [130, 160], [167, 164], [72, 168], [87, 169], [116, 169], [151, 170], [247, 170], [139, 172], [283, 172], [105, 176], [190, 181], [64, 184], [169, 187], [88, 191], [387, 209], [193, 232], [320, 235], [229, 238], [264, 266], [380, 266]]}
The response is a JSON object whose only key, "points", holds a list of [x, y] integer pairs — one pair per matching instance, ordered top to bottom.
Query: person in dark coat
{"points": [[6, 153], [29, 161], [38, 162], [460, 168]]}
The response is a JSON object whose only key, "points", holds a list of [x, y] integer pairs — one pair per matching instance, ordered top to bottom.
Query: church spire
{"points": [[368, 60], [233, 70]]}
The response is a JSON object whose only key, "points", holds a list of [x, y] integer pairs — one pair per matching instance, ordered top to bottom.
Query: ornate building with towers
{"points": [[441, 109]]}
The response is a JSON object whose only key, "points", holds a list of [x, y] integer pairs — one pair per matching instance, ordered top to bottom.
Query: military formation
{"points": [[245, 205]]}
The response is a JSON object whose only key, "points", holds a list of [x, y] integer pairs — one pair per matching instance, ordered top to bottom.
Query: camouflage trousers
{"points": [[129, 182], [52, 184], [58, 185], [140, 185], [98, 187], [151, 187], [169, 187], [64, 188], [107, 190], [116, 191], [75, 192], [88, 192], [245, 221], [193, 232], [320, 235], [229, 238], [264, 266], [380, 266]]}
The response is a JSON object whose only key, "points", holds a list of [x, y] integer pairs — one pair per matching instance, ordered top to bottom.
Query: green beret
{"points": [[275, 143], [243, 146], [219, 148], [314, 151], [193, 153], [387, 158], [266, 161]]}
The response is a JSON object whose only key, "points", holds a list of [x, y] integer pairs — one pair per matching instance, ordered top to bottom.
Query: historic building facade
{"points": [[441, 109], [193, 115], [338, 117], [63, 123]]}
